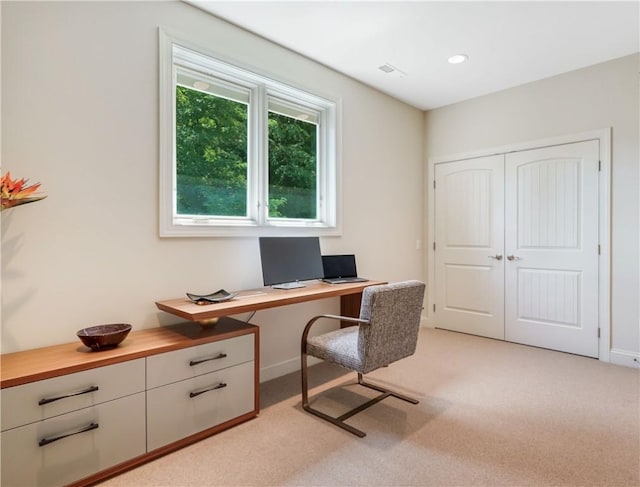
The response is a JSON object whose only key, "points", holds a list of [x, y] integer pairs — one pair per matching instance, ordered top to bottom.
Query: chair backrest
{"points": [[393, 311]]}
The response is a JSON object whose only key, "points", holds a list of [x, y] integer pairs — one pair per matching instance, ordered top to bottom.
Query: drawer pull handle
{"points": [[196, 362], [202, 391], [47, 400], [46, 441]]}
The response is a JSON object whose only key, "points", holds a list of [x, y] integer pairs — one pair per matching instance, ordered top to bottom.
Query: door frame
{"points": [[604, 221]]}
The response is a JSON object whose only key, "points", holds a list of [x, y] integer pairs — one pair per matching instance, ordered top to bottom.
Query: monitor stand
{"points": [[288, 285]]}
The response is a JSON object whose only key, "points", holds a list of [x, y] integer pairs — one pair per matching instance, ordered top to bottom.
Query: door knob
{"points": [[497, 256], [513, 257]]}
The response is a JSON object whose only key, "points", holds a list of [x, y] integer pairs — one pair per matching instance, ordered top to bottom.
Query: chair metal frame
{"points": [[340, 420]]}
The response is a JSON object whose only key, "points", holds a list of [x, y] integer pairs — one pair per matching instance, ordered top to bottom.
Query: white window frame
{"points": [[177, 54]]}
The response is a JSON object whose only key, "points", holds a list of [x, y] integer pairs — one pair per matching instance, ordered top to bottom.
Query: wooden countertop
{"points": [[56, 360]]}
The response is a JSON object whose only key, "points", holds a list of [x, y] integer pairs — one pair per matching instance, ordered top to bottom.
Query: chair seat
{"points": [[339, 347]]}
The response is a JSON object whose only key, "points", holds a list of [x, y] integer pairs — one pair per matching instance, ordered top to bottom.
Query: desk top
{"points": [[261, 298]]}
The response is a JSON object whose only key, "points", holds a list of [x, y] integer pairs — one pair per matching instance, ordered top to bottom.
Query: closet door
{"points": [[469, 238], [551, 245]]}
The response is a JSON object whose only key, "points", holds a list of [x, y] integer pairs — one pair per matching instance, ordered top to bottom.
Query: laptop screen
{"points": [[339, 266]]}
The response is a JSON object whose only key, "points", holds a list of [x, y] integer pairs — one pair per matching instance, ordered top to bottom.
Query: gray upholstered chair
{"points": [[387, 331]]}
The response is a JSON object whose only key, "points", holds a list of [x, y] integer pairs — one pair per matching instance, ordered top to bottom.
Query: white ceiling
{"points": [[508, 43]]}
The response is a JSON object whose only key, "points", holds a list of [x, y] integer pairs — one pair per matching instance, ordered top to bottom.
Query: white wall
{"points": [[604, 95], [80, 113]]}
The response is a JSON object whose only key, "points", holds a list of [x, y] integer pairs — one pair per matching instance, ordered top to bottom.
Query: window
{"points": [[242, 154]]}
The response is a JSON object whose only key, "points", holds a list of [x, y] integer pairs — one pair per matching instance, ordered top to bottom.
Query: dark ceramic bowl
{"points": [[103, 337]]}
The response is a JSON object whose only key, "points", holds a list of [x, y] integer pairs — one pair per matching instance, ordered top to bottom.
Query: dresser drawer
{"points": [[190, 362], [44, 399], [190, 406], [115, 432]]}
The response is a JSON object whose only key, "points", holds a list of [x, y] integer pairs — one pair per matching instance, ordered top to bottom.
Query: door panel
{"points": [[469, 235], [551, 242], [468, 288]]}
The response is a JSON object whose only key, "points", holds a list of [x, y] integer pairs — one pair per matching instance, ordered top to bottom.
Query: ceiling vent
{"points": [[392, 70]]}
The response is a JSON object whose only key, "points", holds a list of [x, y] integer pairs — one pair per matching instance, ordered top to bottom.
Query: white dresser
{"points": [[72, 416]]}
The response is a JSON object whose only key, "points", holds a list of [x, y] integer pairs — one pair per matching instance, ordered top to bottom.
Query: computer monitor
{"points": [[288, 260]]}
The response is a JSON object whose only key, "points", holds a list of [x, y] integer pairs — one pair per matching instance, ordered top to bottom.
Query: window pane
{"points": [[211, 154], [292, 167]]}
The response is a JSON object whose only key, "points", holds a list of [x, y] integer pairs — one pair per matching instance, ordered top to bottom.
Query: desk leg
{"points": [[350, 306]]}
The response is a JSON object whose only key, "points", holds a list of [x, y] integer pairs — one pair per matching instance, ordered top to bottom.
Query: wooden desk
{"points": [[350, 295]]}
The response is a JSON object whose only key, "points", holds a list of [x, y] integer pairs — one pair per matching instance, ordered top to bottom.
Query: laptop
{"points": [[340, 269]]}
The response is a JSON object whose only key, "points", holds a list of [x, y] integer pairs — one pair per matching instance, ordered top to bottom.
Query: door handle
{"points": [[496, 257], [513, 257]]}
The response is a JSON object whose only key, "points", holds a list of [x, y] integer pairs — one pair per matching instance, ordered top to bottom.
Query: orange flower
{"points": [[14, 192]]}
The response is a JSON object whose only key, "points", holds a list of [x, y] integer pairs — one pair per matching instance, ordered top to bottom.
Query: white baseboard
{"points": [[426, 322], [616, 356], [623, 357], [283, 368]]}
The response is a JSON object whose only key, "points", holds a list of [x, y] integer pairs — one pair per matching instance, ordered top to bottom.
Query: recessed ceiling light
{"points": [[458, 58]]}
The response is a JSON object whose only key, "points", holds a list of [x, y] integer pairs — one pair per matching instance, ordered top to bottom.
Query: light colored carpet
{"points": [[490, 413]]}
